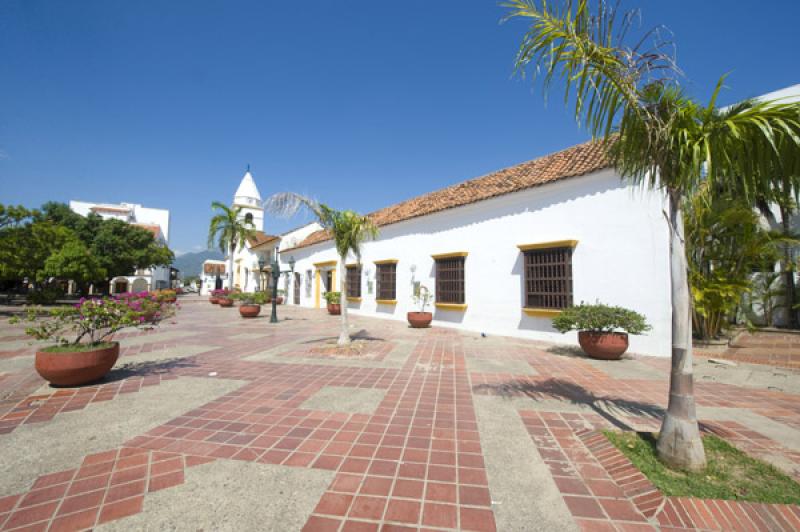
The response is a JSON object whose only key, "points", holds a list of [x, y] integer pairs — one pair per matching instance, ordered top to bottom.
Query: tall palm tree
{"points": [[629, 96], [348, 229], [229, 231]]}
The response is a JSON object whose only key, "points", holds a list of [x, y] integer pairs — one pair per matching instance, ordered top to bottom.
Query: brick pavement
{"points": [[415, 462]]}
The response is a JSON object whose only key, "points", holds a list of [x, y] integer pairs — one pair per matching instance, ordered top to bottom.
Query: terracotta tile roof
{"points": [[571, 162], [110, 208], [155, 229], [261, 238]]}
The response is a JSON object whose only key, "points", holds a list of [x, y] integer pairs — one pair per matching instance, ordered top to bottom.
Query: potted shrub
{"points": [[215, 294], [223, 297], [279, 298], [422, 298], [334, 302], [250, 303], [602, 330], [84, 350]]}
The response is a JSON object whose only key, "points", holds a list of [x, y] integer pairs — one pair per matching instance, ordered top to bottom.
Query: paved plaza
{"points": [[214, 422]]}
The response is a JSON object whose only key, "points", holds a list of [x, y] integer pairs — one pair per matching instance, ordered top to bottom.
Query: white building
{"points": [[154, 220], [505, 252], [247, 274]]}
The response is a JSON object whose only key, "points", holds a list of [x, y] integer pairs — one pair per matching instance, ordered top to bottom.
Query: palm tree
{"points": [[629, 97], [348, 229], [229, 230]]}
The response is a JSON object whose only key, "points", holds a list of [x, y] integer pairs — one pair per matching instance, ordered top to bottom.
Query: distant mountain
{"points": [[192, 263]]}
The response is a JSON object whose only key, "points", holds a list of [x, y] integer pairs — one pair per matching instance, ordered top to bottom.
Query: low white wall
{"points": [[621, 257]]}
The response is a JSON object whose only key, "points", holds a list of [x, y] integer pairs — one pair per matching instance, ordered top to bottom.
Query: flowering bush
{"points": [[220, 292], [165, 295], [93, 321]]}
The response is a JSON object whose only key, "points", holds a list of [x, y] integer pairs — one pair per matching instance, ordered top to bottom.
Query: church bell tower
{"points": [[248, 198]]}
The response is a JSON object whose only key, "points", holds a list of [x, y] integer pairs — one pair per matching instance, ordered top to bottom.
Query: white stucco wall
{"points": [[621, 257]]}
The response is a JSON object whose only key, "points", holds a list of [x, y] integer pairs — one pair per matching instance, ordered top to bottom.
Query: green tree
{"points": [[625, 90], [348, 229], [228, 230], [725, 243], [122, 248], [73, 262]]}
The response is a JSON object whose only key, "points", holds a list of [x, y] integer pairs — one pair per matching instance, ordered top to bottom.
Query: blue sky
{"points": [[360, 104]]}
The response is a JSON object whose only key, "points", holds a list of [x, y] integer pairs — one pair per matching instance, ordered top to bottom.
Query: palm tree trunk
{"points": [[230, 266], [788, 271], [344, 336], [679, 443]]}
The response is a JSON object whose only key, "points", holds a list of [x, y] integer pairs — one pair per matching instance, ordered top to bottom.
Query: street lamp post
{"points": [[276, 273]]}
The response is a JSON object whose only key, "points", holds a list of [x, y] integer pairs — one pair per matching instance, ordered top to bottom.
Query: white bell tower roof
{"points": [[247, 193]]}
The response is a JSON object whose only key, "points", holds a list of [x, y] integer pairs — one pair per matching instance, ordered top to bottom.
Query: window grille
{"points": [[548, 278], [450, 280]]}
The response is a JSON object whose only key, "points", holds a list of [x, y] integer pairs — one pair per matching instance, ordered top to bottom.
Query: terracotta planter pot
{"points": [[213, 300], [279, 300], [225, 302], [334, 309], [249, 310], [419, 320], [603, 346], [72, 369]]}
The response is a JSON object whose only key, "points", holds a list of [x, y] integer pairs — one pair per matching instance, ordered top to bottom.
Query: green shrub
{"points": [[46, 296], [250, 298], [333, 298], [600, 318]]}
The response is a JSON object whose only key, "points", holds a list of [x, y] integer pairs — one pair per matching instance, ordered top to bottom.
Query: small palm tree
{"points": [[629, 96], [348, 229], [229, 230]]}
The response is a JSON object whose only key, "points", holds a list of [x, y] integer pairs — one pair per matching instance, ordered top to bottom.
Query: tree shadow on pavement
{"points": [[612, 409]]}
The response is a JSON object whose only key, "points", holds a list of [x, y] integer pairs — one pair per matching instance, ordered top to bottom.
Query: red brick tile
{"points": [[99, 458], [131, 461], [330, 462], [382, 468], [94, 470], [442, 473], [129, 475], [472, 476], [53, 478], [167, 480], [346, 483], [88, 484], [376, 486], [407, 488], [125, 491], [439, 492], [43, 495], [474, 496], [80, 502], [7, 503], [335, 504], [367, 507], [584, 507], [121, 509], [621, 510], [402, 511], [30, 515], [440, 515], [477, 520], [77, 521], [316, 523], [587, 525], [359, 526]]}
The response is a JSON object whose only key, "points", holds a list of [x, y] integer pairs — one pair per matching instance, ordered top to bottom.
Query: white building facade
{"points": [[154, 220], [510, 249]]}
